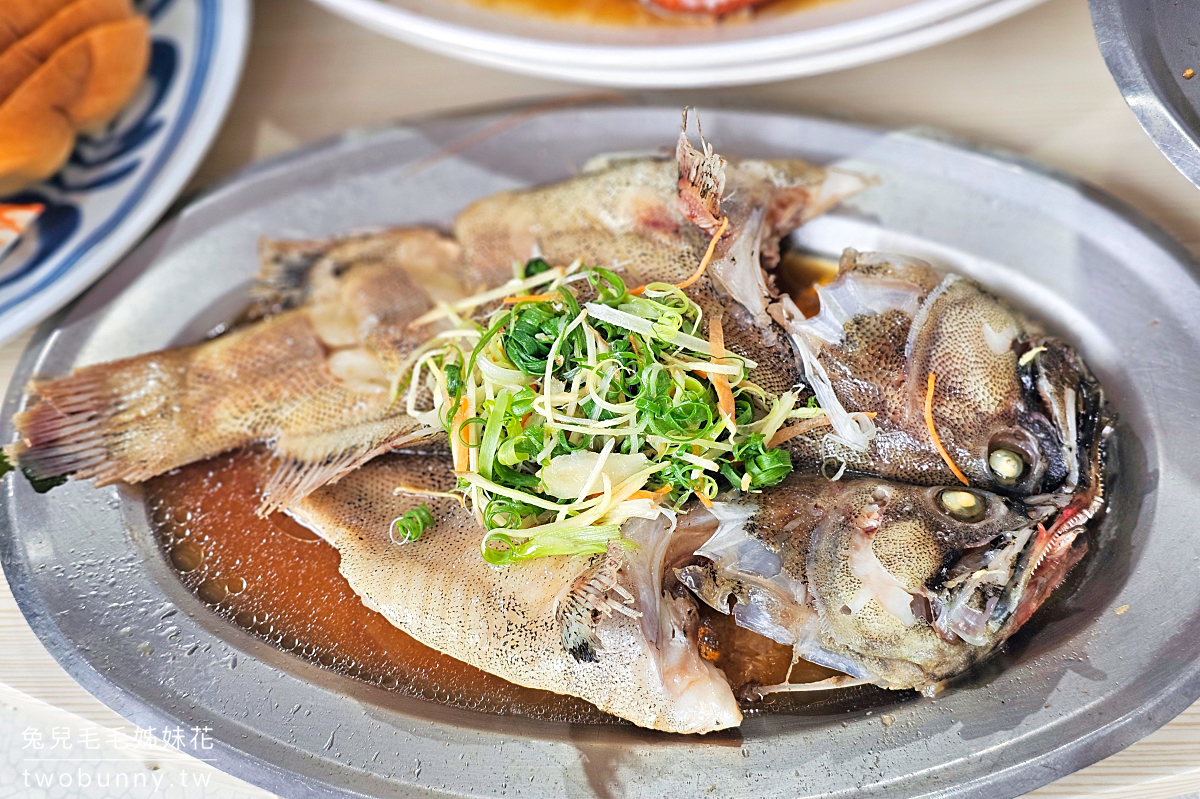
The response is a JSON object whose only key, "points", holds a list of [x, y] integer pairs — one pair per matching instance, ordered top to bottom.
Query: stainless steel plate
{"points": [[1148, 45], [1080, 682]]}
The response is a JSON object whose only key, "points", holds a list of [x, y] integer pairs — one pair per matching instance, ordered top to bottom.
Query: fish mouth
{"points": [[1071, 420], [989, 592], [983, 606]]}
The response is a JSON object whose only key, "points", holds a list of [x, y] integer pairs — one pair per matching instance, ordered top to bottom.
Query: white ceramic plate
{"points": [[836, 35], [116, 185]]}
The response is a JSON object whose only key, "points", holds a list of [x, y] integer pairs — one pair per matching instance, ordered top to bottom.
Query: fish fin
{"points": [[701, 181], [836, 186], [284, 267], [75, 425], [64, 432], [305, 463], [593, 595], [828, 684]]}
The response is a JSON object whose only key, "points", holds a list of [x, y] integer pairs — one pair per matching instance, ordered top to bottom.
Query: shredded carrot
{"points": [[10, 224], [708, 254], [530, 298], [716, 344], [788, 433], [933, 435], [461, 452], [657, 493], [705, 501]]}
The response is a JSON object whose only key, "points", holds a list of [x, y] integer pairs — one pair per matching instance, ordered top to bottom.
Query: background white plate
{"points": [[837, 35], [117, 184]]}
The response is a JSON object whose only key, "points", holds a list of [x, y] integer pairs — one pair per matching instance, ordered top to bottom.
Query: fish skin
{"points": [[645, 218], [878, 361], [311, 381], [806, 529], [502, 620]]}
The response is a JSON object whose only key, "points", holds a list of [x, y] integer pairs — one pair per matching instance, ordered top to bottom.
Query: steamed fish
{"points": [[309, 376], [928, 378], [629, 418], [899, 585], [562, 624]]}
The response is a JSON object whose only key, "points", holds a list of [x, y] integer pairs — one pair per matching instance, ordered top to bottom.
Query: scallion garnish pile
{"points": [[566, 420]]}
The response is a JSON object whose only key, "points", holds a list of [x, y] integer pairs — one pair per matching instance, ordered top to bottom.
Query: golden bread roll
{"points": [[19, 18], [120, 55], [20, 60], [81, 86], [36, 135]]}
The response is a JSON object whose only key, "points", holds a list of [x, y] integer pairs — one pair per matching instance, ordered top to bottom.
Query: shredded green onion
{"points": [[534, 379], [408, 528]]}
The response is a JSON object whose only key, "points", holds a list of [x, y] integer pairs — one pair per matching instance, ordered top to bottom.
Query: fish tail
{"points": [[79, 425]]}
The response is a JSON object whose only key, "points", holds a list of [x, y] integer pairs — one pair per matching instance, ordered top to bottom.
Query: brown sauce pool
{"points": [[635, 14], [277, 580]]}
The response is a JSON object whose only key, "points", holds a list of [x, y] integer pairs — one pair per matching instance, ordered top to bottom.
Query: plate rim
{"points": [[776, 56], [755, 71], [1156, 118], [144, 203], [1067, 758]]}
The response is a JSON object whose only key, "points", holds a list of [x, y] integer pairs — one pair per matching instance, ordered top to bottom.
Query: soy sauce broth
{"points": [[278, 580]]}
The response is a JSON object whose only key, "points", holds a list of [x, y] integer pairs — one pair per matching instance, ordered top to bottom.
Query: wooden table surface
{"points": [[1035, 85]]}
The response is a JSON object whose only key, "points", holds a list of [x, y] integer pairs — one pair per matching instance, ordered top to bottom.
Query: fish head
{"points": [[962, 385], [1017, 410], [916, 584], [900, 585]]}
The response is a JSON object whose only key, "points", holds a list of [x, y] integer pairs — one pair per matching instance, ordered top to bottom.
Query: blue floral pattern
{"points": [[126, 157]]}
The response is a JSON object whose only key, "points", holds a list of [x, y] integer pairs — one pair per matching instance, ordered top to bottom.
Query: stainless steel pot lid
{"points": [[1149, 48], [1077, 684]]}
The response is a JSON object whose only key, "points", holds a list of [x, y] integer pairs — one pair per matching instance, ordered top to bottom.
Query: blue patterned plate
{"points": [[117, 184]]}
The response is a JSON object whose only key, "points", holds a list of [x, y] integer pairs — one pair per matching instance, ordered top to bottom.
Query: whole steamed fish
{"points": [[332, 321], [309, 376], [897, 585]]}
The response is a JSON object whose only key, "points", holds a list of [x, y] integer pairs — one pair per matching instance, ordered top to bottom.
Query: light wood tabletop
{"points": [[1035, 85]]}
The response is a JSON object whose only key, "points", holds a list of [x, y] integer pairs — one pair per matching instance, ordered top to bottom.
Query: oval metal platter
{"points": [[1150, 48], [1112, 657]]}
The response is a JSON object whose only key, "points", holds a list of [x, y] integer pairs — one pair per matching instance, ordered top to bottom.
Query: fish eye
{"points": [[1006, 465], [966, 506]]}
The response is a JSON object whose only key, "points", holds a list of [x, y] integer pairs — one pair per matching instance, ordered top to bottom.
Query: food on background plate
{"points": [[715, 8], [651, 13], [65, 68], [14, 221], [552, 467]]}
